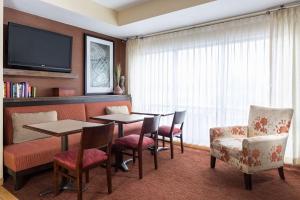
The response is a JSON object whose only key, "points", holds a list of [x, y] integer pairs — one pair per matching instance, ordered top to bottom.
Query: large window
{"points": [[214, 72]]}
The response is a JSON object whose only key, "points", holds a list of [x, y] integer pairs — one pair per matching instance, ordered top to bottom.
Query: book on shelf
{"points": [[19, 90]]}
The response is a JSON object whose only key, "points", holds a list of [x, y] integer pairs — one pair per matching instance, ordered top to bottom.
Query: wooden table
{"points": [[163, 114], [121, 119], [61, 128]]}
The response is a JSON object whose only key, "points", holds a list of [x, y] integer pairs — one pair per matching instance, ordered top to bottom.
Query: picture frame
{"points": [[99, 65]]}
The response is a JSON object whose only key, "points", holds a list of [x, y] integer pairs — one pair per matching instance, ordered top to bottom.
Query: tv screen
{"points": [[36, 49]]}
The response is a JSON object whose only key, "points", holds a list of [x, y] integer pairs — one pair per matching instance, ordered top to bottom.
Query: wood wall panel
{"points": [[45, 85]]}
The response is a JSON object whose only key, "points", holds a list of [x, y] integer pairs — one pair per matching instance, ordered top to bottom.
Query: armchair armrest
{"points": [[230, 131], [252, 141], [264, 152]]}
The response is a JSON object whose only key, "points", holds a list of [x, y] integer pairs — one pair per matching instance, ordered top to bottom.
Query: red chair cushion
{"points": [[165, 131], [132, 141], [90, 157]]}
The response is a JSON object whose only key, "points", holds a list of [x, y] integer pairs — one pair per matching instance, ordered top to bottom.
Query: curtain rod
{"points": [[213, 22]]}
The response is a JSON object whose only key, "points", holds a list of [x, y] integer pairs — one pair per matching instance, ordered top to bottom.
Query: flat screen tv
{"points": [[36, 49]]}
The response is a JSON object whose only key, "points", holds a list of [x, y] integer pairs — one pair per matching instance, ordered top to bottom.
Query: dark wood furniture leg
{"points": [[181, 142], [64, 147], [172, 147], [155, 152], [133, 155], [140, 155], [212, 162], [281, 173], [108, 174], [87, 176], [56, 179], [18, 180], [248, 181], [79, 185]]}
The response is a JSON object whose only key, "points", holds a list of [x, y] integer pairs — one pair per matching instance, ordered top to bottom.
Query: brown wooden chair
{"points": [[175, 130], [140, 142], [88, 156]]}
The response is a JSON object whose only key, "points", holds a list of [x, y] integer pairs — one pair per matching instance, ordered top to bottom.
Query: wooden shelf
{"points": [[40, 74], [14, 102]]}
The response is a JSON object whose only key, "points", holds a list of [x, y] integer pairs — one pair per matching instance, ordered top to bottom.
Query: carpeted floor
{"points": [[187, 176]]}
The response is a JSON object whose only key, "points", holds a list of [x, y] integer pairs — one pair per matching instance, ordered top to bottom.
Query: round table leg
{"points": [[64, 143], [64, 147], [123, 163], [65, 183]]}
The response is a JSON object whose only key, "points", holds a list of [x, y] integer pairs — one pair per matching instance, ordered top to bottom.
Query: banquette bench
{"points": [[25, 158]]}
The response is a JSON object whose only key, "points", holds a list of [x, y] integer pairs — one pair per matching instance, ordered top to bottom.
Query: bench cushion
{"points": [[99, 108], [117, 110], [64, 111], [20, 119], [18, 157]]}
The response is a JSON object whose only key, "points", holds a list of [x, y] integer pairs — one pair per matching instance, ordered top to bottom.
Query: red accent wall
{"points": [[45, 85]]}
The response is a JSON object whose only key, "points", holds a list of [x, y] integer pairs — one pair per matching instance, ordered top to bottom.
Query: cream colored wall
{"points": [[87, 8], [155, 8], [129, 15], [1, 92]]}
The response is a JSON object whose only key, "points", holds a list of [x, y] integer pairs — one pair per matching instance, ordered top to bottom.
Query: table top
{"points": [[167, 113], [121, 118], [61, 127]]}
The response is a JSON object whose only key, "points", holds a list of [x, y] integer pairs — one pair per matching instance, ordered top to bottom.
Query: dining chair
{"points": [[175, 130], [140, 142], [88, 156]]}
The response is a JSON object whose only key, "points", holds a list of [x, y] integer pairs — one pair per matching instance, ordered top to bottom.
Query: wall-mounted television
{"points": [[35, 49]]}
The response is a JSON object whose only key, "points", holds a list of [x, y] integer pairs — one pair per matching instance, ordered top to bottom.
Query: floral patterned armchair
{"points": [[256, 147]]}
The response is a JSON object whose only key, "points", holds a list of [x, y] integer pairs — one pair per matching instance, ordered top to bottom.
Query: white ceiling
{"points": [[119, 4], [190, 16]]}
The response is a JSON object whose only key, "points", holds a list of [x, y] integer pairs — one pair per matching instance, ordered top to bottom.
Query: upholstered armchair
{"points": [[256, 147]]}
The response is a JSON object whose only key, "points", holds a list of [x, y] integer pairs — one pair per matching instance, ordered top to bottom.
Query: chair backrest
{"points": [[178, 119], [269, 121], [150, 125], [96, 137]]}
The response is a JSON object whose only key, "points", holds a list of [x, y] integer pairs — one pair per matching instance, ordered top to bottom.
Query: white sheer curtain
{"points": [[216, 72], [285, 72]]}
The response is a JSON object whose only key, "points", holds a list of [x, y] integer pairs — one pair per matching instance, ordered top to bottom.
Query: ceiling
{"points": [[120, 4], [128, 18]]}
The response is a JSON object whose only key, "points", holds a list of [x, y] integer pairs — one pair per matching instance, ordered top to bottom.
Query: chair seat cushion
{"points": [[165, 131], [132, 141], [232, 146], [90, 157]]}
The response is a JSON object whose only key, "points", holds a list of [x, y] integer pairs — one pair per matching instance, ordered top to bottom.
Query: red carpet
{"points": [[187, 176]]}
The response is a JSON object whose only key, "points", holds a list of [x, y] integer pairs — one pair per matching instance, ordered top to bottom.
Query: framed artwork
{"points": [[99, 62]]}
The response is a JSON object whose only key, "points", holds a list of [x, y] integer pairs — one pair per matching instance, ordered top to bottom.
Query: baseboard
{"points": [[192, 146]]}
